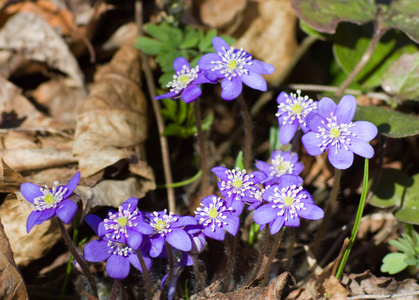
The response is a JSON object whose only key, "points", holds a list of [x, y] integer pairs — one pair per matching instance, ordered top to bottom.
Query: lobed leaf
{"points": [[409, 212], [393, 263]]}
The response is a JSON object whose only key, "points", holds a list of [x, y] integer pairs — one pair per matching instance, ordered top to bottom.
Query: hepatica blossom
{"points": [[234, 67], [186, 82], [292, 112], [332, 129], [281, 163], [237, 186], [48, 203], [287, 203], [215, 216], [125, 226], [169, 228], [119, 256]]}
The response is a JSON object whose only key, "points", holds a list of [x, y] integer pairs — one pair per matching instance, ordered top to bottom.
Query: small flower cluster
{"points": [[232, 66]]}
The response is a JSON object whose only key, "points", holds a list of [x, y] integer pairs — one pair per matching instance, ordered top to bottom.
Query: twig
{"points": [[156, 109], [248, 133], [202, 148], [339, 258], [393, 296]]}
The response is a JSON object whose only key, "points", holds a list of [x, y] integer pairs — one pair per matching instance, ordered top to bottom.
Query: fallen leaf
{"points": [[220, 13], [10, 180], [12, 286]]}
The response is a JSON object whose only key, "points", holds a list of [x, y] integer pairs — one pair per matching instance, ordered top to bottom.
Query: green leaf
{"points": [[324, 15], [403, 15], [157, 32], [313, 32], [175, 34], [191, 38], [228, 39], [206, 40], [352, 41], [150, 46], [165, 60], [166, 78], [402, 78], [169, 110], [182, 111], [207, 122], [390, 123], [174, 129], [239, 161], [389, 190], [409, 212], [401, 245], [393, 263]]}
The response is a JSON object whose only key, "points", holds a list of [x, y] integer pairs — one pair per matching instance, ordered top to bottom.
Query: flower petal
{"points": [[219, 45], [179, 62], [204, 62], [260, 67], [254, 81], [232, 88], [191, 93], [167, 95], [326, 107], [345, 111], [315, 122], [364, 130], [287, 131], [311, 143], [361, 148], [340, 158], [221, 173], [257, 177], [289, 180], [71, 185], [31, 191], [130, 204], [237, 206], [66, 210], [313, 212], [264, 214], [45, 215], [32, 219], [183, 221], [93, 222], [291, 222], [233, 224], [276, 225], [144, 228], [218, 233], [134, 238], [179, 239], [156, 247], [96, 251], [134, 260], [117, 267]]}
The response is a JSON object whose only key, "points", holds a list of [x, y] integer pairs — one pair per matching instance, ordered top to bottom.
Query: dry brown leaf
{"points": [[220, 13], [270, 33], [31, 37], [112, 124], [10, 180], [12, 286]]}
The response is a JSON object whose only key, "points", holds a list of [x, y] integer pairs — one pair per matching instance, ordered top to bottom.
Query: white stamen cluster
{"points": [[232, 62], [183, 78], [296, 107], [335, 134], [280, 166], [238, 183], [50, 198], [288, 198], [214, 214], [120, 221], [161, 225], [119, 249]]}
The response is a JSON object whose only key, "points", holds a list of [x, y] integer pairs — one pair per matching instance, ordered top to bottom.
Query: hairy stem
{"points": [[378, 33], [248, 133], [202, 148], [328, 212], [230, 249], [261, 255], [272, 255], [78, 257], [171, 265], [146, 276], [199, 276], [115, 288]]}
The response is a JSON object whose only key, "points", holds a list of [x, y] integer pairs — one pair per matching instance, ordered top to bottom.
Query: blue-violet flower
{"points": [[234, 67], [186, 82], [292, 112], [332, 129], [282, 163], [237, 186], [288, 201], [50, 202], [215, 216], [125, 226], [119, 257]]}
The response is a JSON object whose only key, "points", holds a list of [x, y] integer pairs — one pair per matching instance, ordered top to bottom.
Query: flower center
{"points": [[232, 62], [183, 78], [296, 107], [335, 133], [281, 166], [238, 183], [50, 198], [288, 199], [213, 213], [122, 221], [119, 222], [161, 224], [119, 249]]}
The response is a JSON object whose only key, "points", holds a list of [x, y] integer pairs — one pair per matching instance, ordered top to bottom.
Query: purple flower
{"points": [[234, 67], [185, 82], [292, 112], [332, 129], [282, 163], [238, 186], [257, 199], [288, 201], [50, 202], [215, 216], [125, 226], [169, 228], [119, 257], [185, 260]]}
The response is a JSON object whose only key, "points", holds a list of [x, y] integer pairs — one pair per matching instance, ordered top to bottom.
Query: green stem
{"points": [[248, 132], [202, 150], [180, 183], [327, 214], [357, 220], [272, 255], [78, 257]]}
